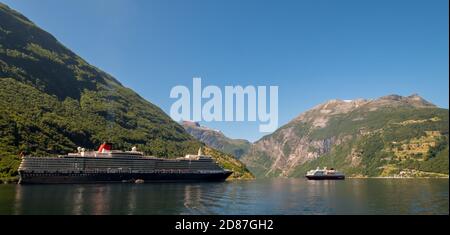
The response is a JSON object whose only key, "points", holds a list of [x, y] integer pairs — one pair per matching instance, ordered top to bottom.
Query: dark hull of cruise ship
{"points": [[326, 177], [82, 178]]}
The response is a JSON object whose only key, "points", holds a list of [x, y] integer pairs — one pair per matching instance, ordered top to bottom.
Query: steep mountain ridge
{"points": [[34, 65], [52, 101], [339, 131], [216, 139]]}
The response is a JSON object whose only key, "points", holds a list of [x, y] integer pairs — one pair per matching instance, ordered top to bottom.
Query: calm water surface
{"points": [[278, 196]]}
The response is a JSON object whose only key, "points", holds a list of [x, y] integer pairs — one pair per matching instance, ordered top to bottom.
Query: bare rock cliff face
{"points": [[330, 133]]}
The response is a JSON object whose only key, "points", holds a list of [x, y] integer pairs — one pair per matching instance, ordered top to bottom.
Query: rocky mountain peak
{"points": [[392, 97], [416, 97], [394, 100], [340, 106], [320, 113], [190, 123], [196, 125], [362, 137], [216, 139]]}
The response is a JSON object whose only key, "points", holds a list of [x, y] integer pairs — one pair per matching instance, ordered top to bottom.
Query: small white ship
{"points": [[324, 174]]}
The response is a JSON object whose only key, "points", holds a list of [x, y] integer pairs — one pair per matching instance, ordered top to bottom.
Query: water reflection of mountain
{"points": [[280, 196], [158, 198]]}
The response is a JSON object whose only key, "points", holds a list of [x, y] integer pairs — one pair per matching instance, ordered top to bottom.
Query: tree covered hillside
{"points": [[52, 101], [389, 136]]}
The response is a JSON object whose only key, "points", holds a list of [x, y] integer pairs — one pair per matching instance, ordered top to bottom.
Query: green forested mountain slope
{"points": [[52, 101], [389, 136], [217, 140]]}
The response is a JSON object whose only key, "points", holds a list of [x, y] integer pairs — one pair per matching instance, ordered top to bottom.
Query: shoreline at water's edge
{"points": [[394, 177], [239, 179], [9, 180], [14, 180]]}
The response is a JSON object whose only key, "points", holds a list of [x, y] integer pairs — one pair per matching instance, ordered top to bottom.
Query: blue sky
{"points": [[314, 50]]}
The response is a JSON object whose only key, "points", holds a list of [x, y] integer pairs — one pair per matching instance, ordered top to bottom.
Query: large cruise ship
{"points": [[106, 165]]}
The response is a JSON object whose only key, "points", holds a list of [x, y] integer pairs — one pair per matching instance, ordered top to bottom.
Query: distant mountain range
{"points": [[51, 101], [389, 136], [216, 139]]}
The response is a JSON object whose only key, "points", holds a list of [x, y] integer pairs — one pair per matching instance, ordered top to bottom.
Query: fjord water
{"points": [[277, 196]]}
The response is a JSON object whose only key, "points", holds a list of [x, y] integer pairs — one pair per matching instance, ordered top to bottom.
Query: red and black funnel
{"points": [[105, 147]]}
